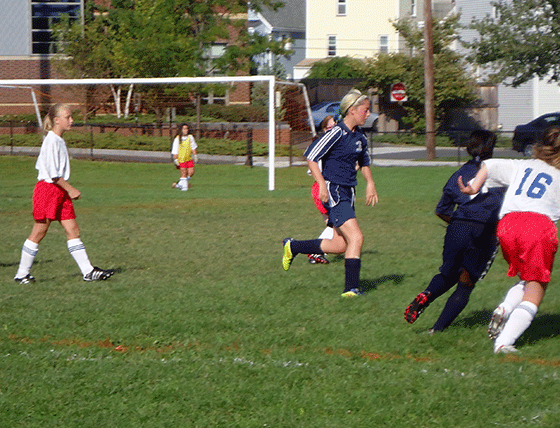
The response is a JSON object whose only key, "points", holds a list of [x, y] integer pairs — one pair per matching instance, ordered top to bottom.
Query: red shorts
{"points": [[188, 164], [315, 195], [51, 202], [529, 243]]}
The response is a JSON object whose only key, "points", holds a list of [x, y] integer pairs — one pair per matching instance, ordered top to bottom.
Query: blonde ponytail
{"points": [[54, 111]]}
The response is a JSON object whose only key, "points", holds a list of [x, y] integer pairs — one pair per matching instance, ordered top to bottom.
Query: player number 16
{"points": [[538, 186]]}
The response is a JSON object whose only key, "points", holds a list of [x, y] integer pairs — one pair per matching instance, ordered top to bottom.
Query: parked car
{"points": [[323, 109], [526, 136]]}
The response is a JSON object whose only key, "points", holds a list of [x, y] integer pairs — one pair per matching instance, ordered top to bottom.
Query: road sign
{"points": [[398, 92]]}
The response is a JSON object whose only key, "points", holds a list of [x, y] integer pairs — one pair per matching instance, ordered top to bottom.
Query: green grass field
{"points": [[201, 327]]}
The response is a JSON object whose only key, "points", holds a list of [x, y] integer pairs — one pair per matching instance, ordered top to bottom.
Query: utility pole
{"points": [[429, 109]]}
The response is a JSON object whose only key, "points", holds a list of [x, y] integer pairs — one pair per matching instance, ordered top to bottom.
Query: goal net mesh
{"points": [[232, 116]]}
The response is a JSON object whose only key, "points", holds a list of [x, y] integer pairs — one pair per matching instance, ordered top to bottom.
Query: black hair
{"points": [[481, 144]]}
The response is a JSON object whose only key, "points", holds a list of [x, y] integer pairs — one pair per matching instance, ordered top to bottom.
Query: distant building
{"points": [[287, 23], [357, 28], [516, 105]]}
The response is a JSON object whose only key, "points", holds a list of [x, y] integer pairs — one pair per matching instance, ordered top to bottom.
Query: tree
{"points": [[163, 38], [521, 43], [336, 68], [454, 88]]}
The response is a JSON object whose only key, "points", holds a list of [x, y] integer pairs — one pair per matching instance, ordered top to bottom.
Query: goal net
{"points": [[238, 111]]}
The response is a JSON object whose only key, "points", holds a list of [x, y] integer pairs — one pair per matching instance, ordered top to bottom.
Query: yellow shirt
{"points": [[185, 149]]}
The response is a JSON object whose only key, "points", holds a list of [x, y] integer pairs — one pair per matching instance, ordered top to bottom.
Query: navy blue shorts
{"points": [[340, 207], [469, 245]]}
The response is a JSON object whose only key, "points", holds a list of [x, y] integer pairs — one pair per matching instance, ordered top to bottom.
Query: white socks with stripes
{"points": [[78, 252], [28, 253], [519, 320]]}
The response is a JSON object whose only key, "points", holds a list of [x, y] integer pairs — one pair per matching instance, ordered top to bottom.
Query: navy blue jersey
{"points": [[340, 149], [483, 208]]}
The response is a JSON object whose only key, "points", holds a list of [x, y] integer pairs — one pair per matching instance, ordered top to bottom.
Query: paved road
{"points": [[383, 155], [391, 155]]}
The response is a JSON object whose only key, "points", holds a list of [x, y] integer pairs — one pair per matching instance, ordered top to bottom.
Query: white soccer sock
{"points": [[183, 184], [328, 233], [78, 251], [28, 253], [513, 297], [519, 320]]}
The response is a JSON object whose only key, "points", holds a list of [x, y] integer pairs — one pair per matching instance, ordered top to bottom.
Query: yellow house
{"points": [[357, 28]]}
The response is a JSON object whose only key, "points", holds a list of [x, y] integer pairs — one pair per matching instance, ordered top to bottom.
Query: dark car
{"points": [[323, 109], [526, 136]]}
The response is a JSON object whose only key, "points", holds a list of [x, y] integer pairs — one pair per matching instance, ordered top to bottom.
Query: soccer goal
{"points": [[168, 100]]}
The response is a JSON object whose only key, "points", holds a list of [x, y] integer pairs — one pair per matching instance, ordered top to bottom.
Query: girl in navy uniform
{"points": [[339, 150], [470, 243]]}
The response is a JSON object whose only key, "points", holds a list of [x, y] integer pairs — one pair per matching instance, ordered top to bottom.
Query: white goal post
{"points": [[175, 80]]}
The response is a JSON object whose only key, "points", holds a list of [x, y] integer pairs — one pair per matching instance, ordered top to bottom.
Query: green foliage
{"points": [[162, 38], [521, 43], [337, 68], [454, 88], [252, 113], [411, 139], [115, 141], [201, 327]]}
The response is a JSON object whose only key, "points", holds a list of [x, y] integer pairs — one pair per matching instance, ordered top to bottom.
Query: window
{"points": [[341, 7], [413, 8], [44, 14], [383, 44], [332, 46]]}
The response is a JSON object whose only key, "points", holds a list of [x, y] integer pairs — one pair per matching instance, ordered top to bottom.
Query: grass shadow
{"points": [[16, 264], [372, 284], [475, 319], [544, 326]]}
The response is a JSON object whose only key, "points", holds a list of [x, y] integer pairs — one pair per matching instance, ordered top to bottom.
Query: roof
{"points": [[289, 17]]}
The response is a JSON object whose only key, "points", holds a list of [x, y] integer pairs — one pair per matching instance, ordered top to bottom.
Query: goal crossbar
{"points": [[174, 80]]}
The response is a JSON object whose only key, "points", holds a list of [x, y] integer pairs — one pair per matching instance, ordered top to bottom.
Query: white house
{"points": [[288, 22], [516, 105]]}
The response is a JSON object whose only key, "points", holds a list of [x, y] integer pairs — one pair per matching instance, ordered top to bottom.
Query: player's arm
{"points": [[318, 176], [478, 181], [71, 190], [371, 191], [444, 217]]}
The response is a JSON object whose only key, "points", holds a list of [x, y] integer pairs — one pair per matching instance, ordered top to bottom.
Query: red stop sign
{"points": [[398, 92]]}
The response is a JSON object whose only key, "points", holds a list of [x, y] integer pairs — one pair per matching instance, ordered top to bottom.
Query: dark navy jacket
{"points": [[483, 208]]}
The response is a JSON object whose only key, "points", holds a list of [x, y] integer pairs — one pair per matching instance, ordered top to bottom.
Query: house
{"points": [[288, 22], [357, 28], [27, 49], [516, 105]]}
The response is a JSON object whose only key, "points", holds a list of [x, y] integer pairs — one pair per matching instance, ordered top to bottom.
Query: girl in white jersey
{"points": [[52, 199], [527, 232]]}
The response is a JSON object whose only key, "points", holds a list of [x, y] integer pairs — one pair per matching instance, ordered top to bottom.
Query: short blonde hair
{"points": [[353, 98], [548, 149]]}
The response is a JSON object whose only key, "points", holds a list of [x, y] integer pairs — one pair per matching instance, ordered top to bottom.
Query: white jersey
{"points": [[175, 148], [53, 161], [533, 185]]}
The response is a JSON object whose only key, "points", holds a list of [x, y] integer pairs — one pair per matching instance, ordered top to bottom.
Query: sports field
{"points": [[201, 327]]}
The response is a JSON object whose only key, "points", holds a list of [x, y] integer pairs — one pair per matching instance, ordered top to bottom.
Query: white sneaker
{"points": [[497, 322], [505, 349]]}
